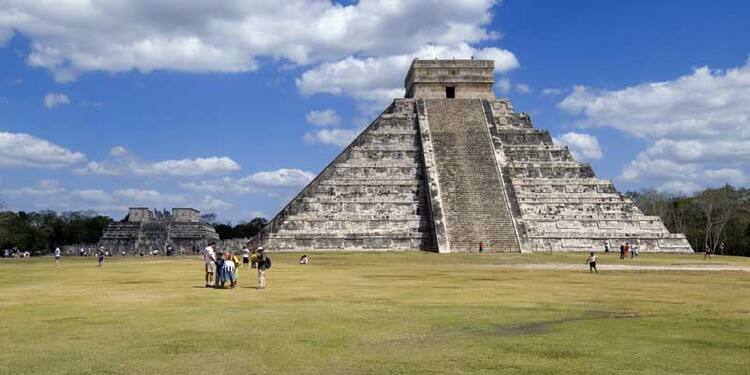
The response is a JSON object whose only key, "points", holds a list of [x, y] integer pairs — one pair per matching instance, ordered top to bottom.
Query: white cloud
{"points": [[75, 36], [377, 80], [503, 86], [523, 88], [551, 92], [52, 100], [326, 117], [697, 126], [338, 137], [583, 146], [24, 150], [122, 163], [279, 178], [254, 183], [43, 188], [211, 203]]}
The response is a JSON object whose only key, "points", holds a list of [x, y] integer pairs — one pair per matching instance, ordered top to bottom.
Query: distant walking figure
{"points": [[606, 246], [481, 247], [622, 251], [706, 252], [101, 257], [245, 257], [209, 259], [591, 260], [264, 263]]}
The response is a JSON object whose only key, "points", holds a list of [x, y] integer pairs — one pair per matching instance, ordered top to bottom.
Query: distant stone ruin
{"points": [[450, 166], [144, 230]]}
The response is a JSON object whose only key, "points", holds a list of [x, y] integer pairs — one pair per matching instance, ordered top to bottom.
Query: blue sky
{"points": [[232, 107]]}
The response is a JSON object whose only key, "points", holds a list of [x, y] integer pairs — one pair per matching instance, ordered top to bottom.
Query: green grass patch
{"points": [[409, 312]]}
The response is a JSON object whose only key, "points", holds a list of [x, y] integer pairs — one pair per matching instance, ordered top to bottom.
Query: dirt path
{"points": [[622, 267]]}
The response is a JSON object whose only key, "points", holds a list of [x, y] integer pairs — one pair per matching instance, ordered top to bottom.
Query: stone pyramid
{"points": [[450, 166]]}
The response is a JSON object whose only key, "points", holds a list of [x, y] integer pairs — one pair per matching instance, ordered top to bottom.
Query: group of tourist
{"points": [[223, 267]]}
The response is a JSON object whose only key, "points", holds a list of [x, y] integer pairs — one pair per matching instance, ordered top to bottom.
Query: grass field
{"points": [[408, 313]]}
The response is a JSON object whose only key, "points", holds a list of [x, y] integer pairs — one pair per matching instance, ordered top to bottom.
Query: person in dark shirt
{"points": [[219, 266]]}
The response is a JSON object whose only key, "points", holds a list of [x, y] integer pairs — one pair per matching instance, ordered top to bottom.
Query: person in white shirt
{"points": [[58, 253], [245, 257], [209, 258], [591, 260], [228, 271]]}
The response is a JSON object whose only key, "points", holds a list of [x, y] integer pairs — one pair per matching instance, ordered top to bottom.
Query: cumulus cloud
{"points": [[232, 35], [377, 80], [503, 85], [52, 100], [325, 117], [696, 126], [338, 137], [582, 146], [24, 150], [122, 163], [257, 182], [51, 194]]}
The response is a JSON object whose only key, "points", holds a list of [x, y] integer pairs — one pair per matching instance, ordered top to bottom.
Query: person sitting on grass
{"points": [[304, 259], [591, 260], [219, 268], [228, 271]]}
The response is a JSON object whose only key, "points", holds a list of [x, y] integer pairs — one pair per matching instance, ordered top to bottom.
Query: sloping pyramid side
{"points": [[371, 197], [557, 202]]}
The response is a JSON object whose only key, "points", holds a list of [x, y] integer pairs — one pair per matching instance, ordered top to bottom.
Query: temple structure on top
{"points": [[450, 166], [144, 230]]}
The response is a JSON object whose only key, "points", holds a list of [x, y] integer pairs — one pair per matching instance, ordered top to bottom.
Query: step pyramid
{"points": [[451, 166]]}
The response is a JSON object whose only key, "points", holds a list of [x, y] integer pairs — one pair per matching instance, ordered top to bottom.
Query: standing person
{"points": [[481, 246], [606, 246], [721, 248], [627, 249], [633, 250], [622, 251], [706, 252], [58, 253], [101, 257], [245, 257], [209, 259], [253, 260], [591, 260], [236, 262], [264, 263], [219, 270]]}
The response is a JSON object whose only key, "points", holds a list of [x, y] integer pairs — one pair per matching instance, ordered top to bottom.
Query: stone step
{"points": [[474, 204]]}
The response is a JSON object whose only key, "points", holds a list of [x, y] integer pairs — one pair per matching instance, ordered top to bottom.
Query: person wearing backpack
{"points": [[264, 263]]}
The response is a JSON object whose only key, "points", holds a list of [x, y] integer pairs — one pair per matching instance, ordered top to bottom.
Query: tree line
{"points": [[708, 218], [45, 230]]}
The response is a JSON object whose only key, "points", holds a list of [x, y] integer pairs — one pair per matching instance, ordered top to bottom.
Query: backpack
{"points": [[268, 263]]}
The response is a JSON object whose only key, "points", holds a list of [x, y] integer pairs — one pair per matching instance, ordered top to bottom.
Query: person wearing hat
{"points": [[264, 263]]}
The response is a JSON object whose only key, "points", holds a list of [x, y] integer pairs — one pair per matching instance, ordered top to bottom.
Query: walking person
{"points": [[481, 246], [606, 247], [622, 251], [706, 252], [58, 253], [101, 257], [245, 257], [209, 260], [253, 260], [591, 260], [264, 263]]}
